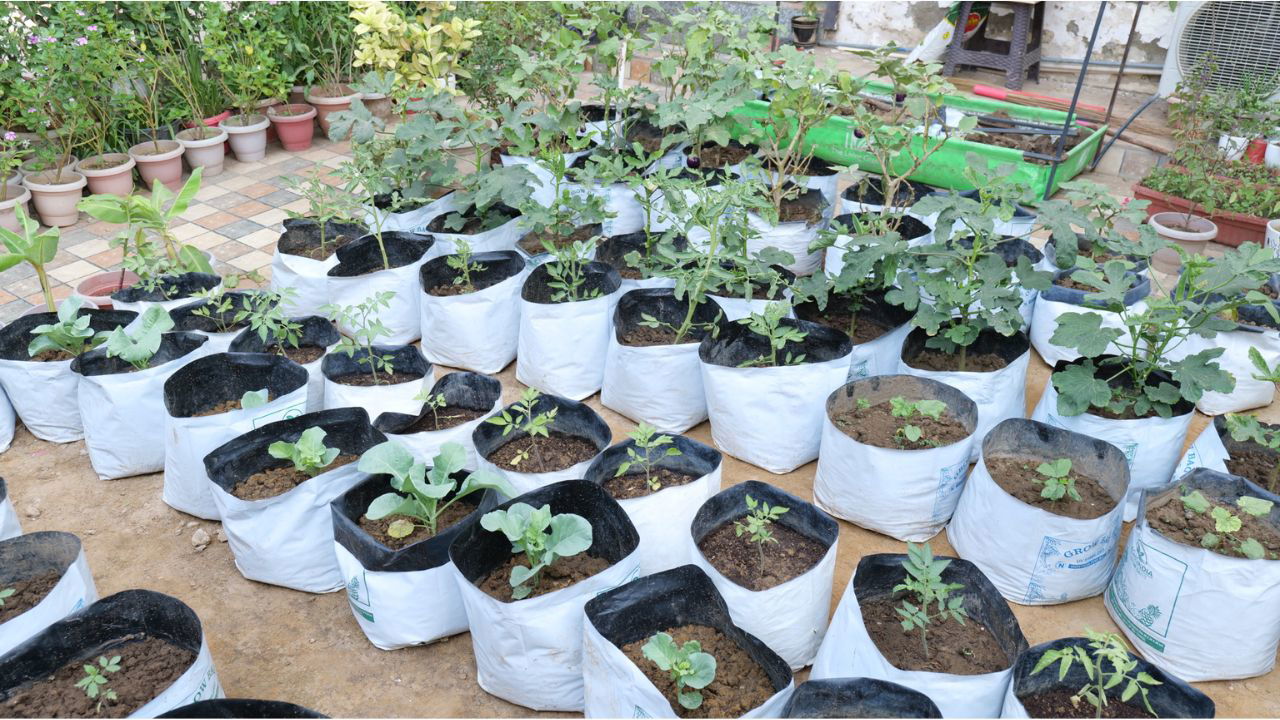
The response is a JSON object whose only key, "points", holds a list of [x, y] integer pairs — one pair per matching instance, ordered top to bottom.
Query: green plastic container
{"points": [[835, 142]]}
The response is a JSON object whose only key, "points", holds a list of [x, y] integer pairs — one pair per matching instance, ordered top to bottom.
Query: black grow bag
{"points": [[870, 191], [508, 213], [909, 227], [302, 234], [614, 249], [1009, 249], [363, 256], [496, 267], [598, 276], [169, 287], [1141, 287], [661, 303], [875, 309], [1257, 314], [185, 317], [316, 332], [16, 336], [737, 344], [173, 345], [1009, 347], [404, 359], [1108, 373], [213, 379], [462, 389], [879, 389], [572, 418], [347, 429], [1234, 447], [694, 459], [1098, 459], [731, 504], [476, 552], [38, 553], [876, 576], [671, 598], [96, 630], [858, 698], [1172, 698], [231, 708]]}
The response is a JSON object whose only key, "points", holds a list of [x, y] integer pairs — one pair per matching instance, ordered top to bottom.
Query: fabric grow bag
{"points": [[867, 195], [911, 228], [501, 238], [359, 275], [309, 278], [170, 292], [1058, 300], [737, 306], [185, 319], [477, 331], [317, 332], [562, 345], [874, 357], [209, 380], [657, 384], [467, 390], [44, 393], [999, 394], [375, 399], [121, 408], [771, 416], [572, 418], [1151, 444], [1208, 450], [905, 494], [661, 517], [9, 526], [287, 539], [39, 553], [1031, 555], [386, 588], [1176, 603], [791, 617], [95, 629], [848, 651], [529, 652], [615, 687], [858, 698], [1171, 698], [241, 708]]}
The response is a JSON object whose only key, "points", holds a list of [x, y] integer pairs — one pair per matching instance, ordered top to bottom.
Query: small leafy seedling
{"points": [[461, 262], [768, 325], [366, 328], [71, 334], [137, 347], [254, 399], [435, 402], [900, 407], [521, 417], [1246, 428], [647, 439], [309, 455], [1056, 478], [425, 489], [756, 523], [1226, 523], [541, 536], [924, 583], [5, 594], [1107, 664], [688, 665], [94, 682]]}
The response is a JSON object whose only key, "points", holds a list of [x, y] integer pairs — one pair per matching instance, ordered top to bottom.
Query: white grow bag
{"points": [[543, 184], [414, 221], [503, 237], [789, 237], [309, 278], [1057, 301], [736, 308], [401, 316], [477, 331], [561, 348], [658, 384], [1249, 392], [45, 393], [378, 399], [8, 421], [426, 445], [1207, 450], [9, 525], [51, 551]]}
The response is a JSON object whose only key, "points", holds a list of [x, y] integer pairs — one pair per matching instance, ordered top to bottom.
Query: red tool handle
{"points": [[1003, 94]]}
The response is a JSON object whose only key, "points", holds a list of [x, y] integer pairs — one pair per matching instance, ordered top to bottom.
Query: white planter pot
{"points": [[248, 141], [208, 153]]}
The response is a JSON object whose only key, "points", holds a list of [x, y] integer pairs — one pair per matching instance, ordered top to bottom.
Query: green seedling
{"points": [[461, 262], [568, 271], [769, 325], [366, 328], [70, 334], [138, 346], [254, 399], [435, 402], [900, 407], [520, 416], [1246, 428], [647, 439], [309, 455], [1056, 478], [424, 489], [756, 523], [1227, 524], [541, 536], [5, 594], [933, 597], [1107, 664], [688, 665], [94, 682]]}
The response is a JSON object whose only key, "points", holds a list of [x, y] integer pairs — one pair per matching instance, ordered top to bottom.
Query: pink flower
{"points": [[92, 28], [33, 39], [82, 41], [11, 136], [1125, 201]]}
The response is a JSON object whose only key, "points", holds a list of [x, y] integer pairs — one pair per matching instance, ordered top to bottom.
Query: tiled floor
{"points": [[236, 215]]}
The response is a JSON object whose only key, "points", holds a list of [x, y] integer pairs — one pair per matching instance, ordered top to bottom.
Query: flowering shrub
{"points": [[422, 52]]}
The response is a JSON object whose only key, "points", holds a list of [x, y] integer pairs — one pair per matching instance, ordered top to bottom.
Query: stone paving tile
{"points": [[278, 198], [228, 201], [253, 207], [271, 218], [216, 220], [239, 229], [260, 238], [92, 247], [230, 249], [252, 260], [74, 271]]}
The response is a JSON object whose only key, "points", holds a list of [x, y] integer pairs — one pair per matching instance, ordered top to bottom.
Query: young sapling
{"points": [[325, 202], [461, 262], [568, 272], [264, 312], [768, 325], [366, 328], [70, 334], [137, 347], [434, 402], [900, 407], [522, 417], [1246, 428], [646, 438], [308, 455], [424, 489], [756, 523], [1227, 524], [541, 536], [924, 583], [688, 665], [1118, 669], [94, 682]]}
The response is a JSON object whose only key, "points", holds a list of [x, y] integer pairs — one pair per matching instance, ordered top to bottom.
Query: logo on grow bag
{"points": [[285, 413], [950, 480], [1057, 557], [1145, 590], [362, 605]]}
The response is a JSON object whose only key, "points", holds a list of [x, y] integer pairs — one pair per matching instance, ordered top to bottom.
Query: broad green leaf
{"points": [[1084, 333], [1256, 507]]}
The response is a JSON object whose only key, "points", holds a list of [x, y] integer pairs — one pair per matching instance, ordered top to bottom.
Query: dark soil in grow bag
{"points": [[647, 134], [715, 157], [870, 191], [387, 200], [808, 208], [493, 217], [909, 227], [301, 237], [532, 242], [614, 249], [363, 256], [597, 276], [438, 279], [169, 287], [662, 305], [186, 318], [872, 320], [315, 336], [173, 345], [737, 346], [990, 352], [407, 364], [216, 383], [467, 396], [225, 406], [443, 419], [877, 426], [555, 452], [694, 461], [1254, 463], [1018, 477], [280, 480], [636, 484], [356, 501], [1171, 519], [377, 529], [792, 555], [562, 573], [26, 594], [968, 649], [148, 665], [740, 684], [1058, 703], [242, 708]]}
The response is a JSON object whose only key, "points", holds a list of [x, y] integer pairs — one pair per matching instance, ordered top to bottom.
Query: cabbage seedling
{"points": [[71, 334], [137, 347], [254, 399], [900, 407], [521, 417], [647, 438], [309, 455], [1056, 478], [425, 489], [1226, 523], [755, 525], [541, 536], [924, 583], [5, 594], [1105, 648], [688, 665], [94, 682]]}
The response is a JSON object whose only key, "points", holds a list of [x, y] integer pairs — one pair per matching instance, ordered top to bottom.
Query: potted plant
{"points": [[804, 26], [246, 52], [99, 66], [293, 125], [158, 160], [12, 194], [304, 254], [382, 263], [470, 309], [304, 340], [359, 372], [451, 411], [46, 578]]}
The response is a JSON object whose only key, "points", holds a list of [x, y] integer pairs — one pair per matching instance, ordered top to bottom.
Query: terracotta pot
{"points": [[298, 95], [325, 104], [380, 105], [262, 107], [213, 120], [296, 128], [248, 136], [204, 148], [1256, 152], [34, 165], [165, 166], [114, 178], [16, 195], [56, 202], [97, 288]]}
